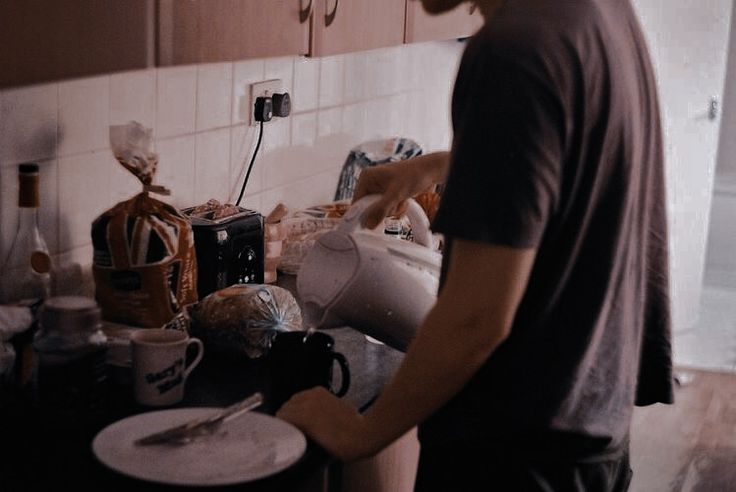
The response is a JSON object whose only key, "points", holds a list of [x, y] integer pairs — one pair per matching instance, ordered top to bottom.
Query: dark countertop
{"points": [[35, 451]]}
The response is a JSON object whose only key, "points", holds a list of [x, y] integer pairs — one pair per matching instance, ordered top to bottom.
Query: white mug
{"points": [[159, 365]]}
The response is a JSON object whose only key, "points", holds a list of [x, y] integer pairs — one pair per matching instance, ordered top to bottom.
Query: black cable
{"points": [[250, 166]]}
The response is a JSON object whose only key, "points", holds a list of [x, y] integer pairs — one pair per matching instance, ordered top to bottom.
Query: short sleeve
{"points": [[507, 154]]}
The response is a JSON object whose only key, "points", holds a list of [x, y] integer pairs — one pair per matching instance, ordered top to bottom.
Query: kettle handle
{"points": [[415, 213]]}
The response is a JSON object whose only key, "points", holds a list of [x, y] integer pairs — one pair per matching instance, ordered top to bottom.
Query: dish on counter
{"points": [[245, 449]]}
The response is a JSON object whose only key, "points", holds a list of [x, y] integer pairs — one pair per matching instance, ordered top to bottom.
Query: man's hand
{"points": [[397, 182], [331, 422]]}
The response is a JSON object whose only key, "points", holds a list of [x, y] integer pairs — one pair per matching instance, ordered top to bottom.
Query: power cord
{"points": [[250, 166]]}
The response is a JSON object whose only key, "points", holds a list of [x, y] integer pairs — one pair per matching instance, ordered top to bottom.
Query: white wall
{"points": [[688, 41], [199, 117], [727, 143]]}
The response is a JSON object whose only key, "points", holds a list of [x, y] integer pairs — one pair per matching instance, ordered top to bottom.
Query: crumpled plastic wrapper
{"points": [[131, 145], [144, 263], [244, 319]]}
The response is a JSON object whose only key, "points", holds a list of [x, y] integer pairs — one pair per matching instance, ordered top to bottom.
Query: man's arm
{"points": [[397, 182], [473, 315]]}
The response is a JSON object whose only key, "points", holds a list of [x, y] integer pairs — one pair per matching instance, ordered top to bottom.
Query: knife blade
{"points": [[184, 432]]}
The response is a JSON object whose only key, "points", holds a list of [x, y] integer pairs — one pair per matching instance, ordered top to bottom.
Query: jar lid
{"points": [[70, 313]]}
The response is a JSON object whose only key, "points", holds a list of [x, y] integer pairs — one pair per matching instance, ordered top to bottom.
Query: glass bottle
{"points": [[25, 276]]}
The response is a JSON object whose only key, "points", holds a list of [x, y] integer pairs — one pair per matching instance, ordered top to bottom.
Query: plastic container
{"points": [[70, 350]]}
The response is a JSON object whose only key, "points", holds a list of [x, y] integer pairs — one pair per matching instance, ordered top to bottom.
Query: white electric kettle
{"points": [[375, 283]]}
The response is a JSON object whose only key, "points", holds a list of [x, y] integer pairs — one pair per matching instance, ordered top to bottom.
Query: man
{"points": [[552, 321]]}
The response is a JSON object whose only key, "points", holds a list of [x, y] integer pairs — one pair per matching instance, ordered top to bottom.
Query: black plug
{"points": [[281, 104], [263, 109]]}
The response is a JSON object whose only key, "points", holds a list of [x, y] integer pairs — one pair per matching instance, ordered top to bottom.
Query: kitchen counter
{"points": [[36, 452]]}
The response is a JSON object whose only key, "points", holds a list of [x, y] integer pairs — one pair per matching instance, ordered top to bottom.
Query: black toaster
{"points": [[229, 250]]}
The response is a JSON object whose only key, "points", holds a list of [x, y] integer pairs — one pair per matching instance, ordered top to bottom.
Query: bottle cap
{"points": [[28, 168], [28, 182], [70, 313]]}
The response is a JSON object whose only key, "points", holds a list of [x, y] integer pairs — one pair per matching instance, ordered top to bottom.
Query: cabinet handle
{"points": [[306, 13], [330, 18]]}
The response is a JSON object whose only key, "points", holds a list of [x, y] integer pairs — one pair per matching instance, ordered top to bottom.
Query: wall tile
{"points": [[281, 68], [382, 73], [244, 74], [356, 77], [331, 80], [306, 84], [176, 92], [214, 95], [359, 95], [133, 98], [84, 115], [354, 120], [329, 121], [28, 123], [303, 129], [276, 134], [242, 145], [212, 166], [283, 166], [176, 169], [88, 172], [124, 185], [313, 190], [254, 202], [48, 223]]}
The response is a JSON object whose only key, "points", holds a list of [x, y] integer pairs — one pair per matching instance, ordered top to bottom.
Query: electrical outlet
{"points": [[267, 88]]}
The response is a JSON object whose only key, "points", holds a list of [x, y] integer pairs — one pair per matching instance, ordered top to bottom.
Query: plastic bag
{"points": [[300, 234], [144, 265], [245, 318]]}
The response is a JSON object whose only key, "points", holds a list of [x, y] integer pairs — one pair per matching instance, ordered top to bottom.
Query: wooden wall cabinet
{"points": [[459, 23], [342, 26], [203, 31], [46, 40]]}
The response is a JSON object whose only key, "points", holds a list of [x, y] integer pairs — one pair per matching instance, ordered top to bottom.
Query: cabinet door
{"points": [[458, 23], [342, 26], [201, 31], [44, 40]]}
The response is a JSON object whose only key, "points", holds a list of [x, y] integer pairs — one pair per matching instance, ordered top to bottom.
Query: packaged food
{"points": [[144, 263], [244, 318]]}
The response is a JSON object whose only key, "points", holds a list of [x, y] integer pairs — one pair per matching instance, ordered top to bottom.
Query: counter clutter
{"points": [[84, 392], [39, 449]]}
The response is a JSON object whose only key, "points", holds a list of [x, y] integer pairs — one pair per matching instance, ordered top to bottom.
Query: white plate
{"points": [[247, 448]]}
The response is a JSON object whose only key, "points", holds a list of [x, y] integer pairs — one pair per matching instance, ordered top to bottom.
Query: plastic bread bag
{"points": [[144, 265], [245, 318]]}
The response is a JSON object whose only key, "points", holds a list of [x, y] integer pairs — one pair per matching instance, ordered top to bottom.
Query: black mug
{"points": [[299, 361]]}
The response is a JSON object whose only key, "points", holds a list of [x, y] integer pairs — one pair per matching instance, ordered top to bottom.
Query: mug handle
{"points": [[200, 353], [345, 370]]}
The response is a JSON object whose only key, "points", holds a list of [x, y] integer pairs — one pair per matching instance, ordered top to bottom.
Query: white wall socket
{"points": [[263, 89]]}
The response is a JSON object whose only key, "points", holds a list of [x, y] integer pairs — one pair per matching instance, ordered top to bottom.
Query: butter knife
{"points": [[183, 433]]}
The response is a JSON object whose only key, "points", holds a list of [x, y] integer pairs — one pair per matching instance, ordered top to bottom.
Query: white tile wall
{"points": [[244, 74], [331, 81], [306, 84], [214, 95], [133, 97], [176, 101], [84, 115], [199, 116], [28, 126], [212, 166], [176, 168], [84, 193]]}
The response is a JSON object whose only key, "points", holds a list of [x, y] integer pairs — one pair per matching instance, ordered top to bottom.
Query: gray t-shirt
{"points": [[558, 146]]}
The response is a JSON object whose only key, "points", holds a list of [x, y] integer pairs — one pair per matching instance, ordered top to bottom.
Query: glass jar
{"points": [[70, 350]]}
